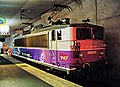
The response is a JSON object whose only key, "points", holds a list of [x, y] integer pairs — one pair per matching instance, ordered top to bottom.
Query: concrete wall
{"points": [[109, 16]]}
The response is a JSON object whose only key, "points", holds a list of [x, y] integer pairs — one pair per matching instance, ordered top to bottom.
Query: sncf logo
{"points": [[63, 57]]}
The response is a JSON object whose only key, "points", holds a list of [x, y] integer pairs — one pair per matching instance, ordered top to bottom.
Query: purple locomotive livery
{"points": [[64, 47]]}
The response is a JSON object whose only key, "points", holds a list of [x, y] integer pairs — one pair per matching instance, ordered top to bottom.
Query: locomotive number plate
{"points": [[91, 52]]}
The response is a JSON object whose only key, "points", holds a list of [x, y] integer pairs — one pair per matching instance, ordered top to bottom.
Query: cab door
{"points": [[53, 47]]}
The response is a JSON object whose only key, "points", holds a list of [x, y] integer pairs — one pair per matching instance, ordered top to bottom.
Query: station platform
{"points": [[14, 73]]}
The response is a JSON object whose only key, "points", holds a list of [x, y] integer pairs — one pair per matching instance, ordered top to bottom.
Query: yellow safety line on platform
{"points": [[49, 78]]}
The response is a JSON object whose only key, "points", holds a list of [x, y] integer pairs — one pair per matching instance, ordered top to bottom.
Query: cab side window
{"points": [[53, 35], [59, 35]]}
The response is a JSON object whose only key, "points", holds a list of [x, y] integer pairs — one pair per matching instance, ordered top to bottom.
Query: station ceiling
{"points": [[11, 10]]}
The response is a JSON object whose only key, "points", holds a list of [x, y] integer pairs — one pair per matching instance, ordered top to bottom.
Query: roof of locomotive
{"points": [[85, 25], [52, 27]]}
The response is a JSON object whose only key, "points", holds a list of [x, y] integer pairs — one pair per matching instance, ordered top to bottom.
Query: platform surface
{"points": [[19, 74], [13, 76]]}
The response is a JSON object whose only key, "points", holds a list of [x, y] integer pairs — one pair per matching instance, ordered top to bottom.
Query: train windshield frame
{"points": [[83, 33], [89, 33], [98, 34]]}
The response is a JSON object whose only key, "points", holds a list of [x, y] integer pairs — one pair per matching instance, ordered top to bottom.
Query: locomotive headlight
{"points": [[101, 53], [81, 55]]}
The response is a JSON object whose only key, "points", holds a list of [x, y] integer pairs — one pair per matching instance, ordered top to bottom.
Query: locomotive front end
{"points": [[88, 45]]}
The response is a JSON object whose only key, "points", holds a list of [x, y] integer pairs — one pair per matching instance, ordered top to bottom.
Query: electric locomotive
{"points": [[68, 47]]}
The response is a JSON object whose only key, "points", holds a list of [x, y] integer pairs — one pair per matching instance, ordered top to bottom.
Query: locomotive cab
{"points": [[88, 44]]}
